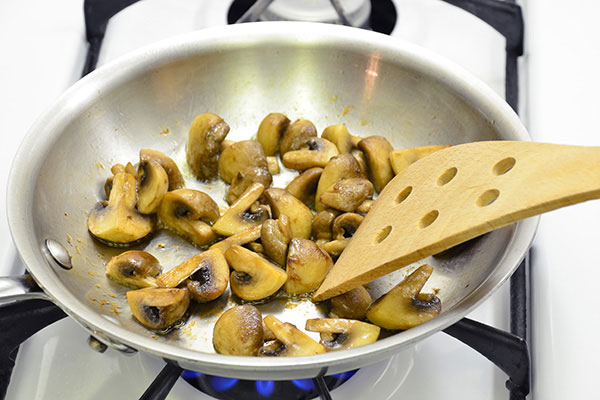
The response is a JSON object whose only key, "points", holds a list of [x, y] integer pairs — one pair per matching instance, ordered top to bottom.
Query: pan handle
{"points": [[24, 310]]}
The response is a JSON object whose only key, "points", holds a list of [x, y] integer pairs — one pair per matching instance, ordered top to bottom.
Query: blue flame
{"points": [[187, 374], [344, 375], [221, 384], [304, 384], [265, 388]]}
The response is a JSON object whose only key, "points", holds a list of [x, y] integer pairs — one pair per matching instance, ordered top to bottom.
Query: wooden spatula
{"points": [[456, 194]]}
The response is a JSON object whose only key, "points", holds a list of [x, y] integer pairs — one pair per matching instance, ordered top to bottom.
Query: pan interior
{"points": [[153, 106]]}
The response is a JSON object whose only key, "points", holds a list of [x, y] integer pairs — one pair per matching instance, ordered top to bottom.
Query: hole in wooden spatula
{"points": [[503, 166], [447, 176], [403, 194], [488, 197], [428, 219], [383, 234]]}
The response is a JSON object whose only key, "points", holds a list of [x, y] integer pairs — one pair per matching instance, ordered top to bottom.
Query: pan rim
{"points": [[47, 128]]}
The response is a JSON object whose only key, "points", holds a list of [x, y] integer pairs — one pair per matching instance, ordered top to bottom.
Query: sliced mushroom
{"points": [[270, 131], [296, 135], [339, 135], [204, 143], [225, 144], [377, 149], [314, 152], [240, 156], [361, 159], [400, 159], [273, 165], [341, 167], [175, 178], [243, 179], [153, 183], [304, 186], [347, 194], [282, 202], [365, 207], [189, 213], [243, 214], [116, 222], [322, 224], [346, 225], [275, 236], [241, 238], [256, 247], [335, 247], [306, 266], [134, 268], [206, 275], [254, 278], [352, 304], [404, 306], [158, 308], [239, 331], [341, 334], [293, 342]]}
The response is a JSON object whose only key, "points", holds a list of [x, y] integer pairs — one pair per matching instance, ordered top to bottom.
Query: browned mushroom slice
{"points": [[270, 131], [338, 134], [296, 135], [204, 143], [377, 149], [315, 152], [239, 156], [361, 159], [400, 159], [341, 167], [175, 178], [243, 179], [153, 183], [304, 186], [347, 194], [365, 206], [189, 213], [244, 213], [300, 215], [116, 222], [322, 224], [346, 225], [275, 236], [241, 238], [335, 247], [306, 267], [134, 268], [206, 275], [254, 278], [352, 304], [404, 306], [158, 308], [239, 331], [341, 334], [293, 341]]}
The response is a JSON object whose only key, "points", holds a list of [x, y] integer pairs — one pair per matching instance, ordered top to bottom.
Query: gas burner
{"points": [[378, 15], [233, 389]]}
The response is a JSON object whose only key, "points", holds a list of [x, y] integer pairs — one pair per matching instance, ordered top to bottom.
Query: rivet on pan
{"points": [[58, 253]]}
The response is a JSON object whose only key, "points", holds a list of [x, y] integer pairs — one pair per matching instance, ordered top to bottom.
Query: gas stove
{"points": [[44, 47]]}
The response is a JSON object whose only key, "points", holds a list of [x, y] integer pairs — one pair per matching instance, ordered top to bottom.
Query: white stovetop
{"points": [[43, 46]]}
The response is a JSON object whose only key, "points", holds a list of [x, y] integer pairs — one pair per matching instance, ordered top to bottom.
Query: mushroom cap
{"points": [[270, 131], [296, 134], [338, 134], [204, 143], [378, 149], [314, 152], [239, 156], [340, 167], [174, 174], [246, 177], [153, 183], [304, 186], [347, 194], [282, 202], [189, 213], [244, 213], [116, 222], [345, 225], [275, 236], [306, 267], [134, 268], [254, 278], [352, 304], [404, 306], [158, 308], [239, 331]]}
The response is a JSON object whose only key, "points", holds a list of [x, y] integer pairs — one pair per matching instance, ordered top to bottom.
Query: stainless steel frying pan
{"points": [[328, 74]]}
